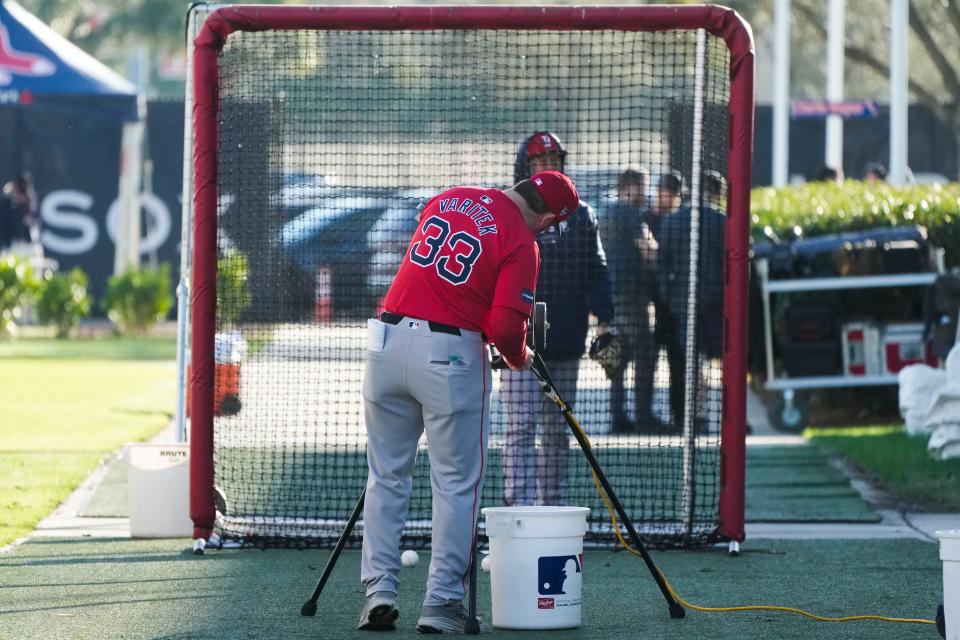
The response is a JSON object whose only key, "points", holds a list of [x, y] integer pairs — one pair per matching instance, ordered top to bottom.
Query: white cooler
{"points": [[903, 345], [861, 349], [158, 490]]}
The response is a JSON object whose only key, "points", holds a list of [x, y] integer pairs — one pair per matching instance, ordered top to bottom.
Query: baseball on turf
{"points": [[409, 558], [485, 563]]}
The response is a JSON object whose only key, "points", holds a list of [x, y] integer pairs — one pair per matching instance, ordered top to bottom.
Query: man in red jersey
{"points": [[468, 277]]}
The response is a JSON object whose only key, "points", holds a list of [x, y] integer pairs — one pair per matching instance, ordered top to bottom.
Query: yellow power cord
{"points": [[754, 607]]}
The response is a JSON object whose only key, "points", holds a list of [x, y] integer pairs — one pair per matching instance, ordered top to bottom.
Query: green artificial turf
{"points": [[897, 463], [798, 484], [109, 499], [157, 589]]}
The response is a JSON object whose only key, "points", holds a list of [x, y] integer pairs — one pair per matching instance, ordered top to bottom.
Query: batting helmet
{"points": [[538, 144]]}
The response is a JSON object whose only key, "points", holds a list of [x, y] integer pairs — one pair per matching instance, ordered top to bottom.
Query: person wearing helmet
{"points": [[574, 283]]}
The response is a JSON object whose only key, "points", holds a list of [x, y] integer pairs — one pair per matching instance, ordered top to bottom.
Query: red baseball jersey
{"points": [[472, 251]]}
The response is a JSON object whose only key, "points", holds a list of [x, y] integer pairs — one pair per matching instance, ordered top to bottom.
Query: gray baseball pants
{"points": [[439, 383], [534, 475]]}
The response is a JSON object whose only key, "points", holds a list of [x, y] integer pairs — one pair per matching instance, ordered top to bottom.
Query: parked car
{"points": [[356, 237], [388, 240]]}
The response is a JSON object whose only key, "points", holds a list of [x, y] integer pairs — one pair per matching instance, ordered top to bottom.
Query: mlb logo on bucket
{"points": [[553, 571], [545, 603]]}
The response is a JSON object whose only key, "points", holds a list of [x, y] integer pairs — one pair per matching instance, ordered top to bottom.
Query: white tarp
{"points": [[917, 385], [942, 419]]}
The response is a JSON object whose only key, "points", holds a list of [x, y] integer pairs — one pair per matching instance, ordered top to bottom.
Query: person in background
{"points": [[826, 173], [874, 173], [669, 197], [22, 218], [7, 224], [631, 259], [574, 282], [674, 282]]}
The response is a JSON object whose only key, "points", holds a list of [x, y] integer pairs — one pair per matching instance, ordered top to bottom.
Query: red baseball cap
{"points": [[558, 192]]}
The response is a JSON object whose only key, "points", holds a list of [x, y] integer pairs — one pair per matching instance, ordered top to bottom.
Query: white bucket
{"points": [[158, 490], [950, 554], [536, 566]]}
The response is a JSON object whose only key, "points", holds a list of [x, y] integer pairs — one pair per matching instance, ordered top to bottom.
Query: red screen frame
{"points": [[718, 21]]}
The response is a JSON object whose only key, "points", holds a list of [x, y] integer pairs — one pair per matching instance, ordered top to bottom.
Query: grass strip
{"points": [[61, 416]]}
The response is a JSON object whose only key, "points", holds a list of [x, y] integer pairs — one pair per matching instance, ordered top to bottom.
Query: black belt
{"points": [[436, 327]]}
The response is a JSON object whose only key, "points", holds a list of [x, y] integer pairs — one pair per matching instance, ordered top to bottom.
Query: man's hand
{"points": [[646, 243], [527, 363]]}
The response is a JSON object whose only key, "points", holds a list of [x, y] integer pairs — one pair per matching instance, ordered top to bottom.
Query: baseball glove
{"points": [[605, 349]]}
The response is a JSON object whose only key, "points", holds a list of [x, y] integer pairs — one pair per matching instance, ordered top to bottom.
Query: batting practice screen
{"points": [[318, 132]]}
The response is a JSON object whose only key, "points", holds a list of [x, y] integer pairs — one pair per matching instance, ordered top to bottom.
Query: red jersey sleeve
{"points": [[517, 279], [507, 328]]}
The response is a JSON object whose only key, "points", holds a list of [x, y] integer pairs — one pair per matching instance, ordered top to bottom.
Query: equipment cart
{"points": [[790, 411]]}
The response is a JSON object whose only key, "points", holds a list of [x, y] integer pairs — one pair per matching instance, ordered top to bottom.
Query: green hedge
{"points": [[820, 208], [18, 286], [138, 298], [64, 301]]}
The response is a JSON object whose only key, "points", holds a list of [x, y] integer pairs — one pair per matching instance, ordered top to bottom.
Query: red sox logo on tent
{"points": [[14, 62]]}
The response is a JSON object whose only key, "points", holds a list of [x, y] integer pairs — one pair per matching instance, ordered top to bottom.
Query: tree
{"points": [[118, 24], [110, 29], [934, 63], [934, 71]]}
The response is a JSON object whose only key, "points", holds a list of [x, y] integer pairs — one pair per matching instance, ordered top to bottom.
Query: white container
{"points": [[903, 345], [229, 347], [861, 349], [158, 490], [950, 554], [536, 566]]}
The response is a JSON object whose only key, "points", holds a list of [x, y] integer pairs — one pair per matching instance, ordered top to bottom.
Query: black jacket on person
{"points": [[18, 220], [7, 223], [632, 270], [674, 277], [574, 282]]}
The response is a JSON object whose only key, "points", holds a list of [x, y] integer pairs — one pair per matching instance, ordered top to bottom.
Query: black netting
{"points": [[329, 140]]}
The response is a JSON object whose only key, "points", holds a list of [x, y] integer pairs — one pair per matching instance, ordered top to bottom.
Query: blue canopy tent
{"points": [[77, 128]]}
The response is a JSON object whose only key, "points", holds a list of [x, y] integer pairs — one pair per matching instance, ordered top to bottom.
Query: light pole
{"points": [[899, 22]]}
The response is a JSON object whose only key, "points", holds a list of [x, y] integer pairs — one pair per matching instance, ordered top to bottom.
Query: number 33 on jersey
{"points": [[438, 247], [470, 252]]}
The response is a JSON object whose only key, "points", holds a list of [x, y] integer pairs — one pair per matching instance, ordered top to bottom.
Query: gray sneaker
{"points": [[379, 612], [449, 618]]}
